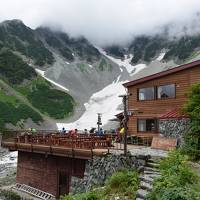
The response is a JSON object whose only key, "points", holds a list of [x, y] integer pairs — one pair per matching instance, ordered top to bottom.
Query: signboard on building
{"points": [[164, 143]]}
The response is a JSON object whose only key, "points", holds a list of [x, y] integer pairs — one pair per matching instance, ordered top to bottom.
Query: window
{"points": [[166, 91], [146, 93], [147, 125]]}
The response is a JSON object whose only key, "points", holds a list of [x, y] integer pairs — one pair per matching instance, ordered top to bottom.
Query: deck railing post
{"points": [[26, 138]]}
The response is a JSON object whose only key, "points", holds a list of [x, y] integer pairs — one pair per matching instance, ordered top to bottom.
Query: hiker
{"points": [[92, 130], [34, 131], [63, 131], [85, 131], [101, 132], [122, 132], [74, 133], [117, 135]]}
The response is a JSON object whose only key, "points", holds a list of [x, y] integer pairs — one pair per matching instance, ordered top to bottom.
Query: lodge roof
{"points": [[162, 74], [174, 114]]}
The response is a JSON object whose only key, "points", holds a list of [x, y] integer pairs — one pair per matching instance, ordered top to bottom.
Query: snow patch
{"points": [[161, 56], [90, 66], [137, 68], [132, 69], [42, 73], [117, 80], [106, 101]]}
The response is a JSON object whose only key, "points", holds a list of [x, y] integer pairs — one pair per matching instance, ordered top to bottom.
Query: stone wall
{"points": [[174, 128], [100, 168]]}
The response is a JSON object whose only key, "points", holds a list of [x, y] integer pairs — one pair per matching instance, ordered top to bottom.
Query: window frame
{"points": [[156, 92], [154, 96], [167, 97], [156, 125]]}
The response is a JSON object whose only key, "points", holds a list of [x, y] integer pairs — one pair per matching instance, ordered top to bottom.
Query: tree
{"points": [[192, 138]]}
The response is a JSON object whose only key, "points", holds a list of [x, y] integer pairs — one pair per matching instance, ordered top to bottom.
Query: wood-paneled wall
{"points": [[154, 108]]}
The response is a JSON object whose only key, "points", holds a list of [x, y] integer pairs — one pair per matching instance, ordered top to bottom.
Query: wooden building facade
{"points": [[159, 95]]}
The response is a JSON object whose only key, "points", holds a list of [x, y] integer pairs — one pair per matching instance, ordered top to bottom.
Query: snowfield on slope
{"points": [[161, 56], [132, 69], [42, 73], [106, 101]]}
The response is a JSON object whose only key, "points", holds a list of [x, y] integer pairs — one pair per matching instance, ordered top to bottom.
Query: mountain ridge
{"points": [[81, 67]]}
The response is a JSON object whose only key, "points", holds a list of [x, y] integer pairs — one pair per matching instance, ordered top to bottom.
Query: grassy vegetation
{"points": [[104, 65], [83, 67], [13, 69], [37, 90], [55, 103], [12, 111], [12, 114], [177, 181], [122, 183]]}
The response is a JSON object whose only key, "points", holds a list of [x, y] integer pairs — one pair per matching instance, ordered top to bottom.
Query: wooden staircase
{"points": [[33, 191]]}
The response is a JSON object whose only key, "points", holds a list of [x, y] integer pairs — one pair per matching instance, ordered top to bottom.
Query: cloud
{"points": [[105, 21]]}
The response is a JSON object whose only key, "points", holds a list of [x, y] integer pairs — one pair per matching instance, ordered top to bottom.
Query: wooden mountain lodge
{"points": [[156, 101]]}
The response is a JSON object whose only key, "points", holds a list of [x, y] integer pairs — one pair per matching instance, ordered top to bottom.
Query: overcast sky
{"points": [[105, 21]]}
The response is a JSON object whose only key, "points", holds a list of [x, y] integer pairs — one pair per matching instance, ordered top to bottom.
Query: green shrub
{"points": [[192, 138], [177, 181], [123, 182], [174, 193], [9, 195], [92, 195]]}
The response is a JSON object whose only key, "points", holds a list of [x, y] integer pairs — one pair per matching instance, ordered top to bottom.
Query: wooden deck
{"points": [[79, 146]]}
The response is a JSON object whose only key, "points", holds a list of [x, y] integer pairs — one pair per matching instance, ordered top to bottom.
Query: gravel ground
{"points": [[141, 150]]}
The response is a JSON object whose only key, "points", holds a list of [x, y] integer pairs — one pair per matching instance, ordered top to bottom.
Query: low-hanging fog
{"points": [[106, 22]]}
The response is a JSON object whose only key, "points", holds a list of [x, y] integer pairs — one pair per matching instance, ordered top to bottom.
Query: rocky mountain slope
{"points": [[146, 48], [72, 63], [77, 73]]}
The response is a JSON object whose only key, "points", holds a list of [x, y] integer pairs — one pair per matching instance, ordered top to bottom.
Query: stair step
{"points": [[152, 165], [150, 169], [151, 172], [146, 178], [145, 185], [142, 193]]}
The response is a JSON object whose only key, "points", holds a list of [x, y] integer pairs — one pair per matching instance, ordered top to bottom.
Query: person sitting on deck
{"points": [[33, 131], [63, 131], [74, 133], [100, 133]]}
